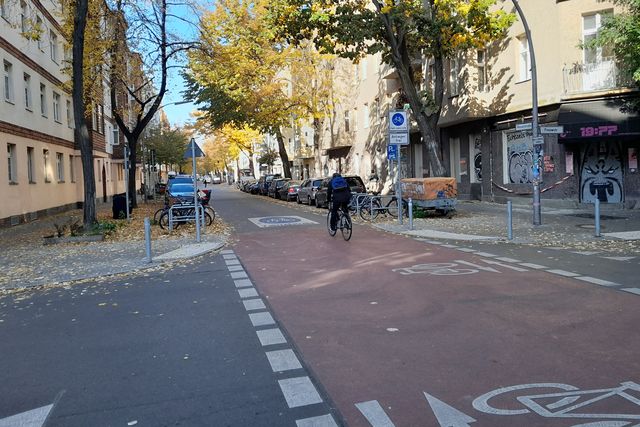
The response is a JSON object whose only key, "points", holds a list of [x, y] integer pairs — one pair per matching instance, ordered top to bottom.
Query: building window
{"points": [[3, 9], [24, 13], [591, 25], [40, 28], [53, 46], [524, 59], [453, 77], [8, 81], [483, 81], [27, 92], [43, 100], [56, 107], [69, 114], [346, 121], [454, 158], [11, 160], [47, 166], [60, 167], [31, 172], [72, 172]]}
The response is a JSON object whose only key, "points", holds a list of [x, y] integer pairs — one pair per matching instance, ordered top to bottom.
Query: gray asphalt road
{"points": [[170, 348]]}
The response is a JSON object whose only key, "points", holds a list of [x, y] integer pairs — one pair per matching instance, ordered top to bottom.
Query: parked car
{"points": [[179, 179], [216, 179], [264, 181], [355, 183], [246, 184], [275, 186], [254, 188], [289, 190], [307, 191], [184, 192]]}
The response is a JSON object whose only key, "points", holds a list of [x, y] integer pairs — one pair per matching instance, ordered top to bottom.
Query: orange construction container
{"points": [[429, 188]]}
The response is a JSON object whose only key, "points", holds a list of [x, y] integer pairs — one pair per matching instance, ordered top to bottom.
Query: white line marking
{"points": [[432, 242], [449, 246], [466, 250], [226, 251], [585, 252], [486, 254], [229, 257], [619, 258], [505, 259], [232, 261], [501, 264], [534, 266], [479, 267], [235, 268], [563, 273], [239, 275], [597, 281], [243, 283], [632, 290], [247, 293], [253, 304], [261, 319], [271, 337], [283, 360], [299, 392], [373, 412], [447, 415], [33, 418], [321, 421]]}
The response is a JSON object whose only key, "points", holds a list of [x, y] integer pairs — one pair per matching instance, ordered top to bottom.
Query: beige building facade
{"points": [[42, 173]]}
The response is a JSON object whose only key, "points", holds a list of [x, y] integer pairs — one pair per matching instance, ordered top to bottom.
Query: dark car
{"points": [[179, 179], [265, 181], [355, 183], [246, 185], [275, 186], [254, 188], [289, 190], [307, 192]]}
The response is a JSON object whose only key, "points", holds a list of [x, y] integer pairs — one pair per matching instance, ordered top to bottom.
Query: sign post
{"points": [[398, 135], [194, 152]]}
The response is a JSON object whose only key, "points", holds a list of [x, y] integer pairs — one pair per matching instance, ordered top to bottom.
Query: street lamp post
{"points": [[537, 140]]}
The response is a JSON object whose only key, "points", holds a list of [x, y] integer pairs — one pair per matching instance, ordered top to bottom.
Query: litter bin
{"points": [[119, 206]]}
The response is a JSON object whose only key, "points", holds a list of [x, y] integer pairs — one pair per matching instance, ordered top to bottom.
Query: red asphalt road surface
{"points": [[458, 336]]}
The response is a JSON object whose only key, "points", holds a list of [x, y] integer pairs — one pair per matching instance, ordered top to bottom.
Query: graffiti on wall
{"points": [[519, 157], [476, 158], [601, 173]]}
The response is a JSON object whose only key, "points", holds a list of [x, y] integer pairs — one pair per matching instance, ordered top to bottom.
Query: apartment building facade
{"points": [[43, 171]]}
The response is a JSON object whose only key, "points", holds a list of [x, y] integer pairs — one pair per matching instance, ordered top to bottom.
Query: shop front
{"points": [[604, 138]]}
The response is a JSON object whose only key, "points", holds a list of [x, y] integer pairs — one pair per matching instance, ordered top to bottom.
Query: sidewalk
{"points": [[561, 228], [26, 262]]}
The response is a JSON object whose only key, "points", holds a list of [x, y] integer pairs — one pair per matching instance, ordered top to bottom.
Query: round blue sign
{"points": [[397, 119]]}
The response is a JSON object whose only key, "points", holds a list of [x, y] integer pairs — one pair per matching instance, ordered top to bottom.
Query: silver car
{"points": [[307, 191]]}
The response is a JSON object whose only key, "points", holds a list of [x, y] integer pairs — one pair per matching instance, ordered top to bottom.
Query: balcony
{"points": [[593, 77], [304, 152]]}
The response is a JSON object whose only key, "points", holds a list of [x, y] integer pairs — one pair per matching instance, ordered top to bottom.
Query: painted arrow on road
{"points": [[446, 415], [33, 418]]}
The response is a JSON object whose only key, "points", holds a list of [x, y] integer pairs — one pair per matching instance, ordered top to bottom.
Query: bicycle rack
{"points": [[365, 199], [176, 214]]}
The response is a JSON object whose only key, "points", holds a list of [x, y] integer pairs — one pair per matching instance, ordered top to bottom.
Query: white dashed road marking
{"points": [[449, 246], [466, 250], [486, 254], [619, 258], [505, 259], [232, 261], [534, 266], [235, 268], [563, 273], [239, 275], [597, 281], [243, 283], [632, 290], [247, 293], [253, 304], [261, 319], [271, 337], [283, 360], [299, 392], [374, 413], [321, 421]]}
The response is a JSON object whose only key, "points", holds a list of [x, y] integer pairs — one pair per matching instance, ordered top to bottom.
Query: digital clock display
{"points": [[591, 131]]}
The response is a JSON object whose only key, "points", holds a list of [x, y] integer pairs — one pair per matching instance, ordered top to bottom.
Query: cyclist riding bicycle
{"points": [[339, 193]]}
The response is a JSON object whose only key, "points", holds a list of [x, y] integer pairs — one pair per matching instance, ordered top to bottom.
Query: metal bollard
{"points": [[410, 207], [597, 216], [509, 220], [147, 238]]}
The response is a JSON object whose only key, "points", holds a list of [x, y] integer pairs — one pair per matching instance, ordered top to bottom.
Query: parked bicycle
{"points": [[181, 201], [184, 211], [344, 223]]}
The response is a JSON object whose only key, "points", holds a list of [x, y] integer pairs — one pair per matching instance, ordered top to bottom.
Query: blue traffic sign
{"points": [[398, 119], [392, 152]]}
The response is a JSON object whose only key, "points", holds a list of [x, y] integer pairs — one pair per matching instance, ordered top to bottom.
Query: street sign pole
{"points": [[398, 136], [537, 151], [399, 188], [195, 189]]}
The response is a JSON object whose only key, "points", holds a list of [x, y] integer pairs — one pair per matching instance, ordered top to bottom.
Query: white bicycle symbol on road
{"points": [[570, 403]]}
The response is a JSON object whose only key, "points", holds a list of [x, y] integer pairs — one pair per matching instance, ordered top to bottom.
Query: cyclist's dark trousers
{"points": [[334, 211]]}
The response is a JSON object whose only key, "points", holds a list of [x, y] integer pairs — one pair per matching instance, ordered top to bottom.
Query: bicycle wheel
{"points": [[392, 208], [209, 210], [366, 211], [157, 215], [207, 219], [164, 221], [346, 226], [331, 232]]}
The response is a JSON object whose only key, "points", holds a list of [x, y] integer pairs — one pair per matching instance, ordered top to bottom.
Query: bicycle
{"points": [[165, 210], [184, 215], [344, 224]]}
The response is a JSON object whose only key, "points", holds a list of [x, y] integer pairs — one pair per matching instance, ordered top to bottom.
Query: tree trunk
{"points": [[81, 132], [283, 154], [133, 155]]}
